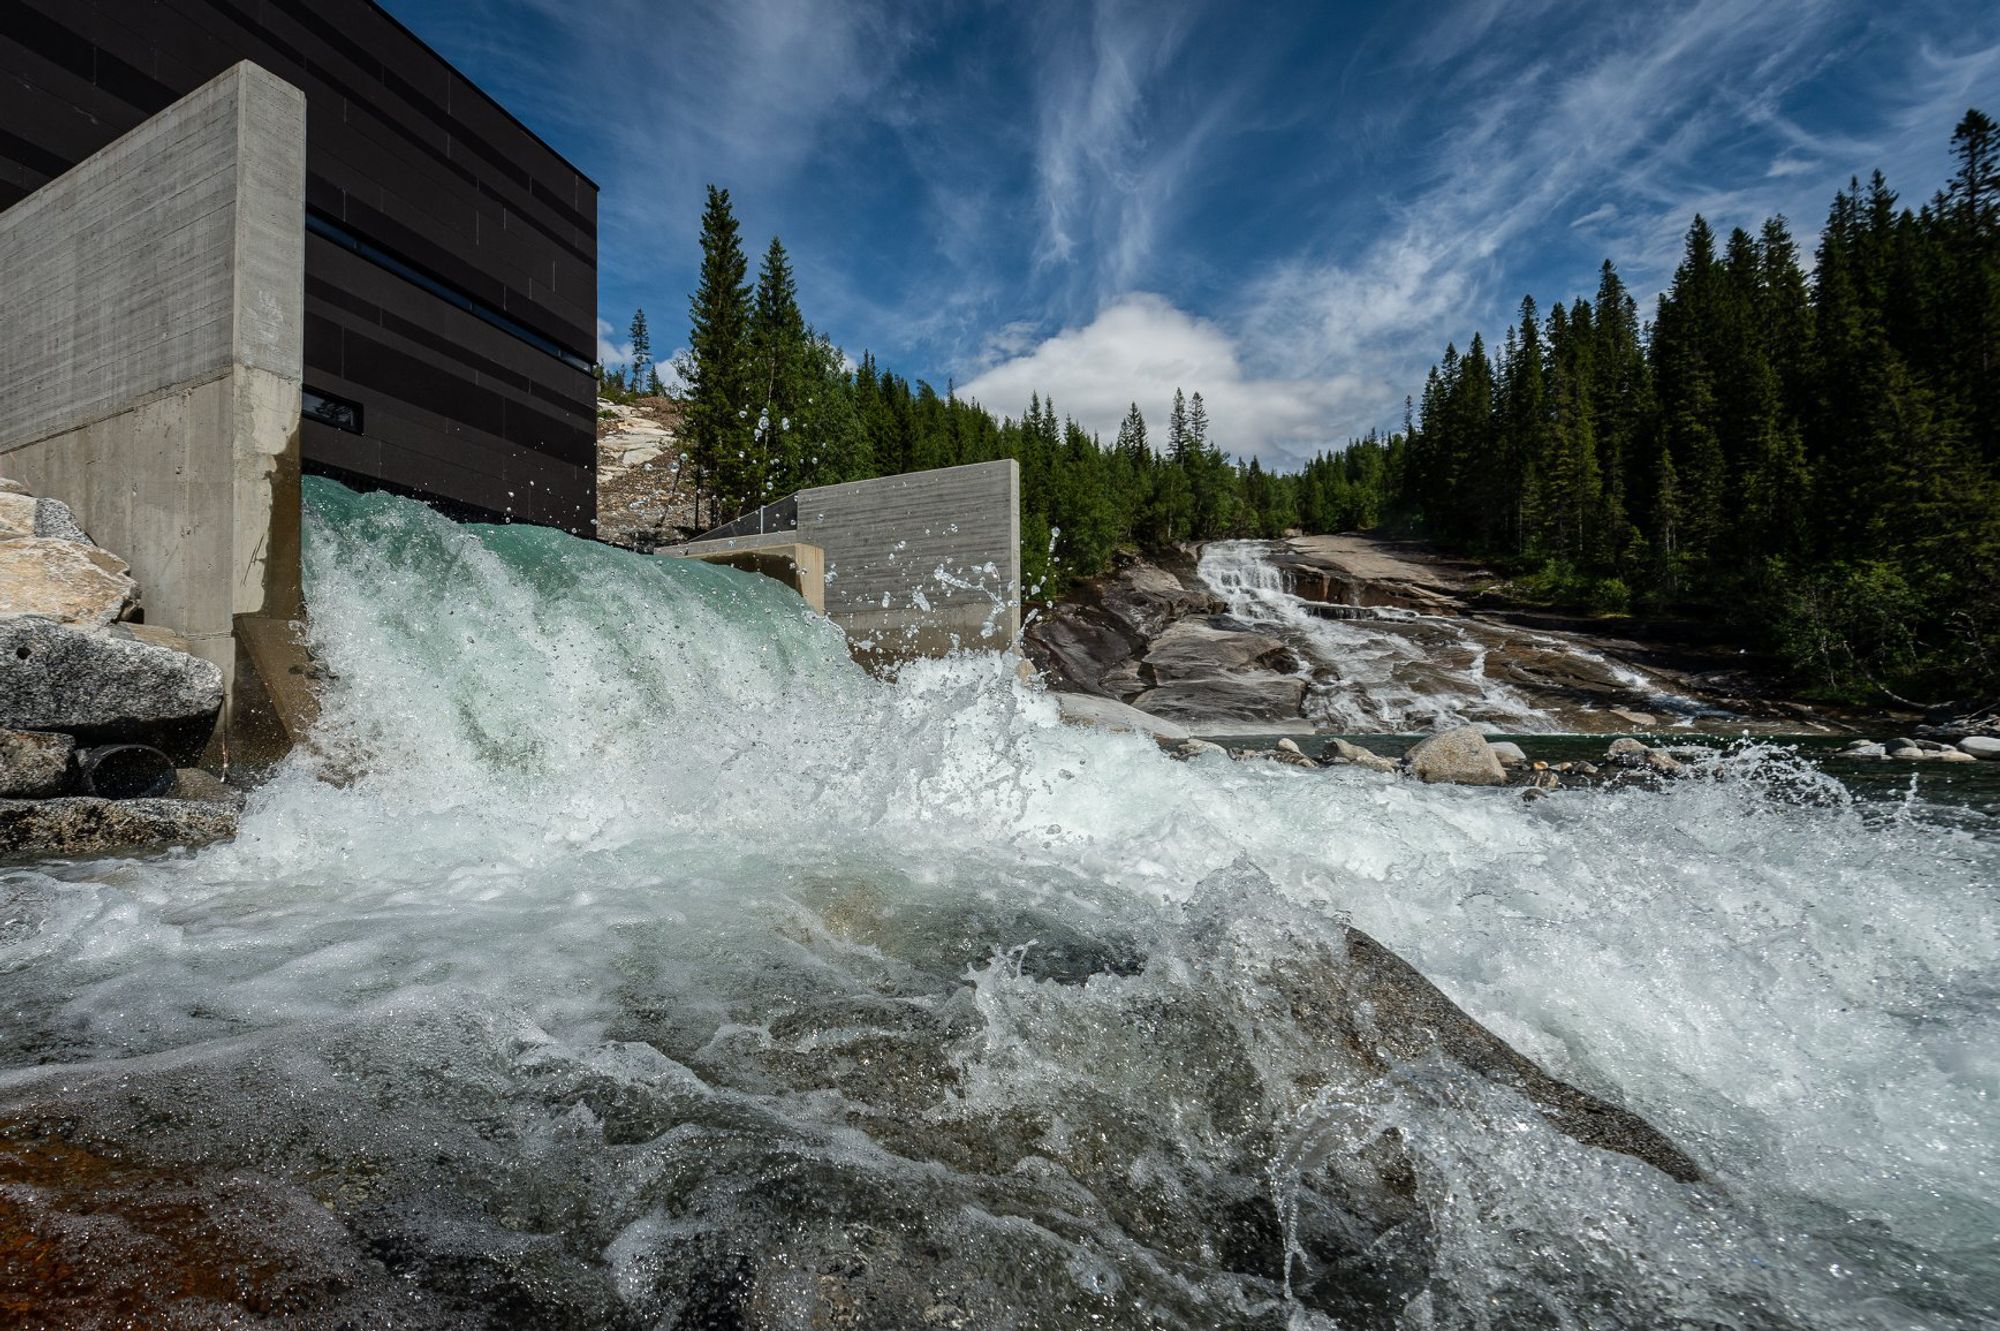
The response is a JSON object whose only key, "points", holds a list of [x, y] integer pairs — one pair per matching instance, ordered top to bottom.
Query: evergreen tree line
{"points": [[771, 407], [1814, 460]]}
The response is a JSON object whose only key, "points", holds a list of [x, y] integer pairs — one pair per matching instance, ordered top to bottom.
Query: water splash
{"points": [[653, 966]]}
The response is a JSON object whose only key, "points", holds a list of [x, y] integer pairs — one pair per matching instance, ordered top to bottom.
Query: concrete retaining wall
{"points": [[151, 328], [916, 565]]}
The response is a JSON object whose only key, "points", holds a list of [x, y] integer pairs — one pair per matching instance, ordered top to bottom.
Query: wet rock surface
{"points": [[89, 825], [676, 1176]]}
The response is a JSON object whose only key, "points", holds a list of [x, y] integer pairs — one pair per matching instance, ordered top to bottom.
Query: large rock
{"points": [[13, 487], [46, 575], [106, 682], [1086, 709], [1985, 747], [1461, 757], [34, 763], [84, 825], [1383, 1012]]}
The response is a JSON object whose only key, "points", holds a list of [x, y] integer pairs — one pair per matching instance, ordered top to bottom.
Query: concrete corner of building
{"points": [[154, 351]]}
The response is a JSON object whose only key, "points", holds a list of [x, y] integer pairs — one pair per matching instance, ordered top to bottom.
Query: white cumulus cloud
{"points": [[1140, 348]]}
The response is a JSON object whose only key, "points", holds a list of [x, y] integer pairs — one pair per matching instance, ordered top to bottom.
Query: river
{"points": [[625, 957]]}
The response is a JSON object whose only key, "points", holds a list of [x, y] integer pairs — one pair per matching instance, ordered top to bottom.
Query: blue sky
{"points": [[1287, 206]]}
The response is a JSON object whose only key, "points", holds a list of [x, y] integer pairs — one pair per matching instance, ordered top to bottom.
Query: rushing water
{"points": [[1383, 669], [647, 965]]}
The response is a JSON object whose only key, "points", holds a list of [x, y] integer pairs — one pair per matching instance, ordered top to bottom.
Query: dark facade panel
{"points": [[456, 311]]}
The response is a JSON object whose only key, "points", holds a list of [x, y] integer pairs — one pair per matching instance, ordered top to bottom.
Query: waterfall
{"points": [[1384, 669], [626, 957]]}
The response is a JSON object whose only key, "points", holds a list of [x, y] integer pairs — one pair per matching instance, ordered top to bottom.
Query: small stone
{"points": [[44, 575], [1290, 745], [1195, 748], [1862, 748], [1345, 752], [1626, 752], [1509, 753], [1909, 753], [1459, 756], [34, 763], [1665, 763], [191, 783], [1531, 794]]}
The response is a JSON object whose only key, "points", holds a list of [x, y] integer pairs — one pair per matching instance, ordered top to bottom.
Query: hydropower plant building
{"points": [[242, 240], [450, 256]]}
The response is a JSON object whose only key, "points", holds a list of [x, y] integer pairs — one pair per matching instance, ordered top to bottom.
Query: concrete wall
{"points": [[150, 347], [916, 565], [799, 566]]}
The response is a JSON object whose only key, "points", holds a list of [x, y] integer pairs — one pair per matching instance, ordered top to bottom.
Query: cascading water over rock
{"points": [[1387, 668], [648, 965]]}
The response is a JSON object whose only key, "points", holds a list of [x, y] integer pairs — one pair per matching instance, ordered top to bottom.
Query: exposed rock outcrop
{"points": [[645, 496], [1257, 700]]}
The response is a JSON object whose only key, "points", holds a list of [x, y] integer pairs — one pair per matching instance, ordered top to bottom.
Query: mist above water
{"points": [[650, 965]]}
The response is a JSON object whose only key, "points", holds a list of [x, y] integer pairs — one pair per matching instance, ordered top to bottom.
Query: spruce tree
{"points": [[642, 349], [779, 350], [719, 369]]}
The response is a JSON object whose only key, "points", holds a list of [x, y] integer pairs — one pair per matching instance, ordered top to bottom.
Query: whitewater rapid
{"points": [[625, 957]]}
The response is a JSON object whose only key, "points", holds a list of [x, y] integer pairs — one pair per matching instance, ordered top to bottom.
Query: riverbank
{"points": [[1361, 634]]}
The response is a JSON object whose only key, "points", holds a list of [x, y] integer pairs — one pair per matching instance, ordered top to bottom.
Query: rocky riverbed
{"points": [[1355, 634]]}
